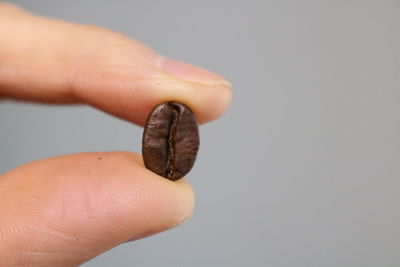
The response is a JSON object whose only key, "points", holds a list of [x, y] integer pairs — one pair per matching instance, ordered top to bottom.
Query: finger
{"points": [[52, 61], [66, 210]]}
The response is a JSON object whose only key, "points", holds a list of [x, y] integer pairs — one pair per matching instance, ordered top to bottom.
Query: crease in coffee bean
{"points": [[171, 142]]}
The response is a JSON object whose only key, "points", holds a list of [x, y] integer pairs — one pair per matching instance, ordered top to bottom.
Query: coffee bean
{"points": [[170, 140]]}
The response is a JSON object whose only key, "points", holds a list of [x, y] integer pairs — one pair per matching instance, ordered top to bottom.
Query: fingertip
{"points": [[218, 101], [208, 102], [180, 188], [179, 195], [187, 199], [182, 205]]}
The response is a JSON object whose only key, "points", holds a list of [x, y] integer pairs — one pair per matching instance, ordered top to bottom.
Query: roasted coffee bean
{"points": [[170, 140]]}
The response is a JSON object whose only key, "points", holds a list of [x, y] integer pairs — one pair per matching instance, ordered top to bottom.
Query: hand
{"points": [[65, 210]]}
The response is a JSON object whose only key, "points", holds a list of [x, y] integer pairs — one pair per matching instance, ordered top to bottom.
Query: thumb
{"points": [[53, 61], [66, 210]]}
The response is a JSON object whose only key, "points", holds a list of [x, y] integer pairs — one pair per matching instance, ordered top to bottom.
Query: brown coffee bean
{"points": [[170, 140]]}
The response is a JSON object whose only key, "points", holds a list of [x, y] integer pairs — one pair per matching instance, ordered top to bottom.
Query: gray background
{"points": [[304, 169]]}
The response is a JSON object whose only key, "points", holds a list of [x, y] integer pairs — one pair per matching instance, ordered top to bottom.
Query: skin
{"points": [[65, 210]]}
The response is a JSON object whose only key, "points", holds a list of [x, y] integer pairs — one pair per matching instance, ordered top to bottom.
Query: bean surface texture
{"points": [[170, 140]]}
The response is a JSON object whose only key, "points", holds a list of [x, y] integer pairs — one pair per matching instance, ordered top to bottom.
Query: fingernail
{"points": [[189, 72], [185, 220], [156, 231], [146, 234]]}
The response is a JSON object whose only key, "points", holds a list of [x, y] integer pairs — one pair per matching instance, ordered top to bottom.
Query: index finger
{"points": [[52, 61]]}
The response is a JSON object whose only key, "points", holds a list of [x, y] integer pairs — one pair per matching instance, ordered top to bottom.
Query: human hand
{"points": [[65, 210]]}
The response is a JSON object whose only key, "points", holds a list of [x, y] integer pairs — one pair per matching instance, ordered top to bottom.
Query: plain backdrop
{"points": [[304, 168]]}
